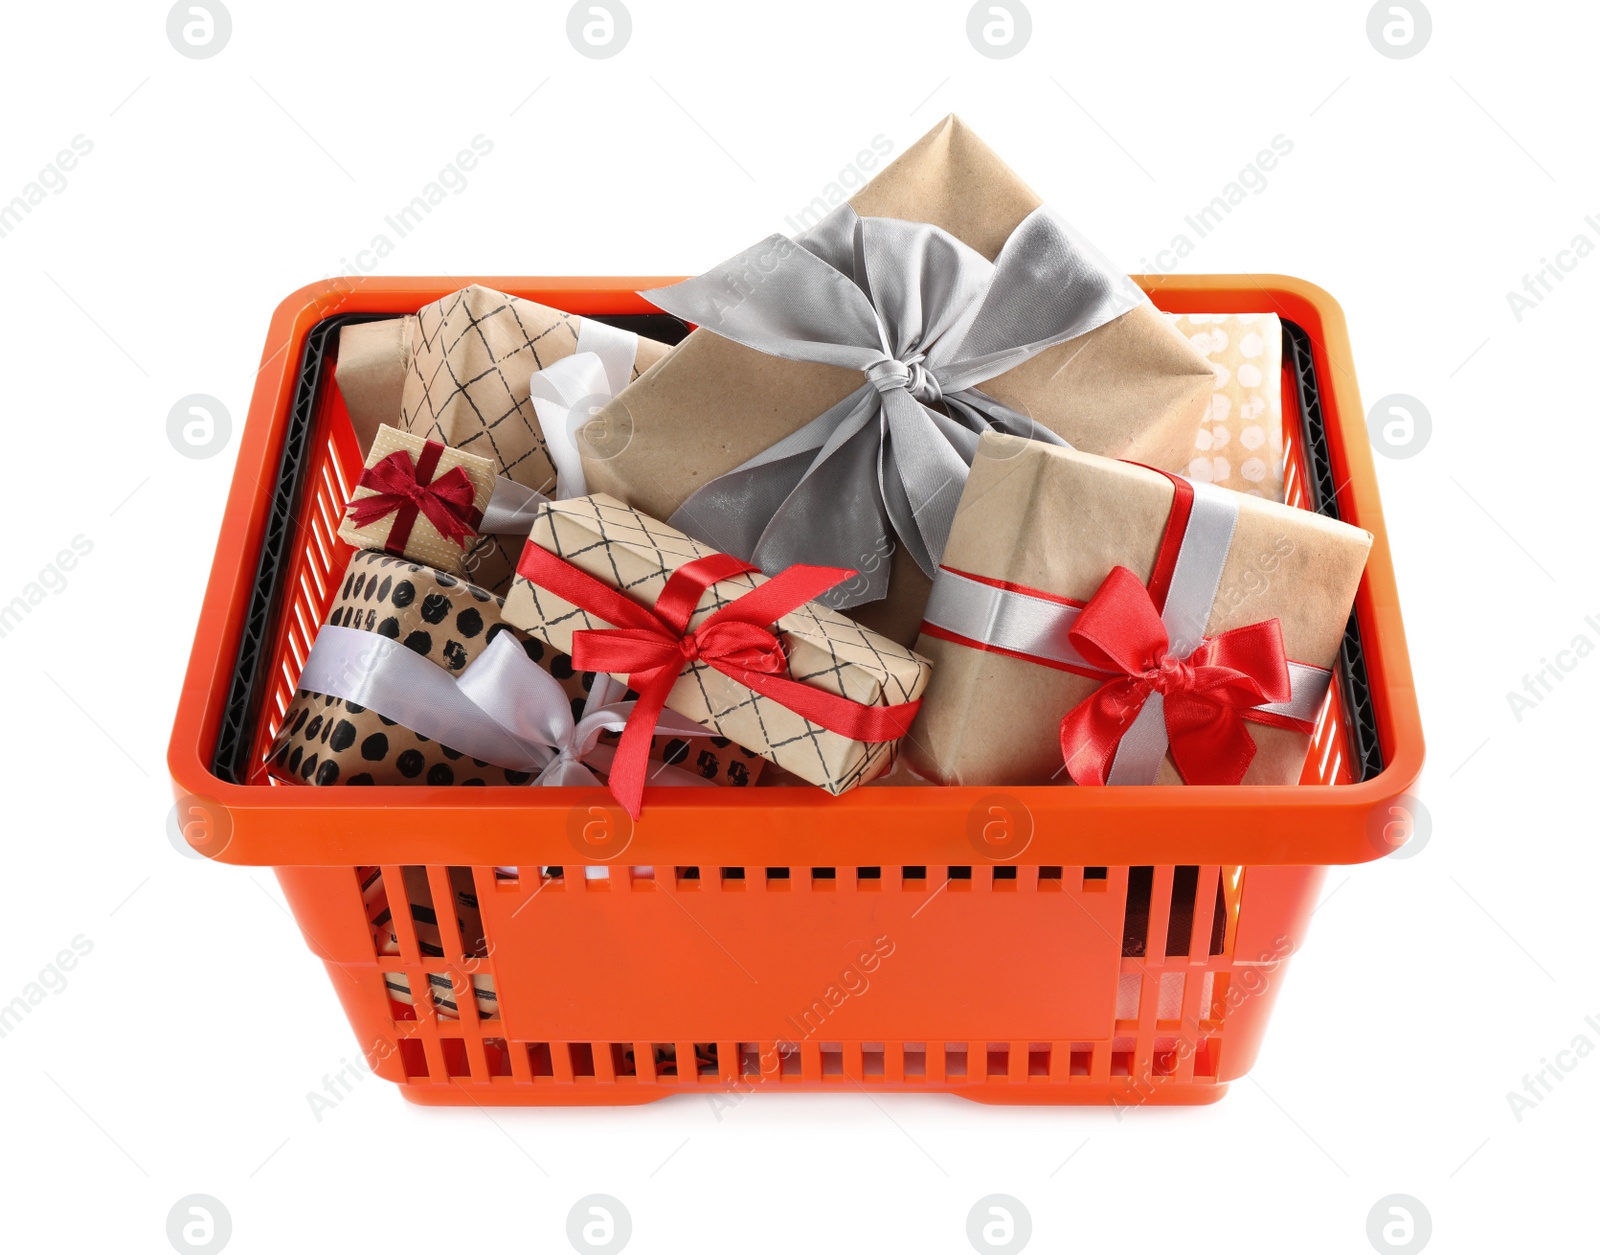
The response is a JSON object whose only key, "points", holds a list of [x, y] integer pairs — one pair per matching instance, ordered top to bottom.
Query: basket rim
{"points": [[1277, 824]]}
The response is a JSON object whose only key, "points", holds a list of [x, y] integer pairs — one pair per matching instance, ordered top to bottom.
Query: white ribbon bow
{"points": [[504, 709]]}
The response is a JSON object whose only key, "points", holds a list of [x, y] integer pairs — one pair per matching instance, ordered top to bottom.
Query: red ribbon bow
{"points": [[405, 489], [653, 647], [1205, 696]]}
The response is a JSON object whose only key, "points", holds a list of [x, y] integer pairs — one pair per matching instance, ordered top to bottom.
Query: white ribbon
{"points": [[564, 394], [1025, 623], [504, 709]]}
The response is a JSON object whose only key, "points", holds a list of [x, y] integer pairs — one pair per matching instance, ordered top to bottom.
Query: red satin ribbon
{"points": [[405, 489], [652, 646], [1206, 696]]}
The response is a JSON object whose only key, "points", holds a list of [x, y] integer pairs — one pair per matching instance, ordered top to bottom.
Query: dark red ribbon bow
{"points": [[405, 489], [652, 646], [1205, 695]]}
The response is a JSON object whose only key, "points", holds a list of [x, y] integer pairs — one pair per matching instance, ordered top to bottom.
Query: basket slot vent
{"points": [[1180, 915], [1136, 919], [454, 1050], [497, 1056]]}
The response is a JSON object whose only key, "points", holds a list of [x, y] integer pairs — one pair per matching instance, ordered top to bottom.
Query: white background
{"points": [[178, 1057]]}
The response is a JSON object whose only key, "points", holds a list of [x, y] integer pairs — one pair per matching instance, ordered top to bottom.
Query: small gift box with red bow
{"points": [[419, 499], [1099, 622], [697, 632]]}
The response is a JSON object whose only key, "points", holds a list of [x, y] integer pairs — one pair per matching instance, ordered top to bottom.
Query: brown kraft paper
{"points": [[1133, 388], [1058, 521], [424, 543], [629, 551]]}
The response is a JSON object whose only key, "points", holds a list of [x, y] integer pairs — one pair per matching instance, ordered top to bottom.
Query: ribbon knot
{"points": [[926, 319], [911, 374], [406, 489], [1171, 675], [1205, 696]]}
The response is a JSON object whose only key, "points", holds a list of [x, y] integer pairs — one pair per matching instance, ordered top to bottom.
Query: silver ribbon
{"points": [[925, 319], [504, 709]]}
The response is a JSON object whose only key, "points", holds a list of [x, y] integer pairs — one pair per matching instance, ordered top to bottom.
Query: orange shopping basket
{"points": [[1030, 945]]}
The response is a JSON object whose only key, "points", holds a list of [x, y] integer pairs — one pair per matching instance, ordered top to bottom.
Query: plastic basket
{"points": [[1027, 945]]}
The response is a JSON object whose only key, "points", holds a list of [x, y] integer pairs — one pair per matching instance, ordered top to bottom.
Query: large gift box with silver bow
{"points": [[462, 371], [829, 404], [1101, 622], [700, 633]]}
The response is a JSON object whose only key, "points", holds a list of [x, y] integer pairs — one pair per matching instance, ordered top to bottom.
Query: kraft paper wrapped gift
{"points": [[958, 335], [458, 372], [1240, 441], [419, 499], [597, 540], [1022, 675], [328, 740]]}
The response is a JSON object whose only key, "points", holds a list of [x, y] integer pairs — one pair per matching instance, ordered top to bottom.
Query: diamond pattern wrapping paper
{"points": [[461, 368], [1240, 441], [423, 543], [637, 554]]}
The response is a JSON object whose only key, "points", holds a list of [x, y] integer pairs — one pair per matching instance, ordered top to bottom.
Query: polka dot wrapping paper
{"points": [[1240, 441], [325, 740]]}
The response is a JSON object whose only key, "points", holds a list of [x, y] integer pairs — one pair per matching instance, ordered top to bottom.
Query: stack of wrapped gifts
{"points": [[930, 487]]}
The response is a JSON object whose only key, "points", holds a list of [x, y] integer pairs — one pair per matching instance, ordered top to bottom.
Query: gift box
{"points": [[941, 301], [459, 372], [1240, 441], [419, 499], [1102, 622], [755, 660], [326, 739]]}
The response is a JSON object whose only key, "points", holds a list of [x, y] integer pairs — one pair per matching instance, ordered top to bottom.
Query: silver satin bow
{"points": [[925, 318]]}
